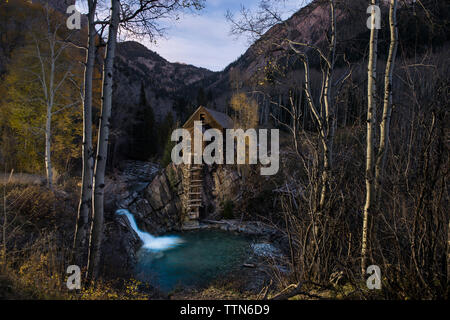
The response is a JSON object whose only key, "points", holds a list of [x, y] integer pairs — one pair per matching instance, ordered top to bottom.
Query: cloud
{"points": [[203, 41], [206, 55]]}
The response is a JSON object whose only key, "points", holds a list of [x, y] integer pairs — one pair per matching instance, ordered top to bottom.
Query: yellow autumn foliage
{"points": [[246, 110]]}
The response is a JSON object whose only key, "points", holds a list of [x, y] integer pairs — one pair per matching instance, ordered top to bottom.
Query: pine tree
{"points": [[202, 99], [145, 138]]}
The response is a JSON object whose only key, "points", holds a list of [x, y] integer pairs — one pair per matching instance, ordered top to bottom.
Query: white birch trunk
{"points": [[49, 93], [387, 102], [329, 111], [371, 121], [48, 142], [85, 205], [96, 235]]}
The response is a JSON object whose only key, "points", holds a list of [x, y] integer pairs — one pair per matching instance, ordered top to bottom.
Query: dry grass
{"points": [[38, 233]]}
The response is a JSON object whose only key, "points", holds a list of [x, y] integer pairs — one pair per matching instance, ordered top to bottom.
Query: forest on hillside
{"points": [[357, 91]]}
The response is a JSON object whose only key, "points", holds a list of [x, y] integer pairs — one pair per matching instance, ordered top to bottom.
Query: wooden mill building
{"points": [[193, 174]]}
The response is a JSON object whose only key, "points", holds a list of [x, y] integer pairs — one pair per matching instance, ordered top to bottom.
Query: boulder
{"points": [[158, 193], [119, 249]]}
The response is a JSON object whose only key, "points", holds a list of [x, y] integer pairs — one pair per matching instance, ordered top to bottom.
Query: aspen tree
{"points": [[49, 52], [387, 101], [371, 122], [85, 204], [96, 235]]}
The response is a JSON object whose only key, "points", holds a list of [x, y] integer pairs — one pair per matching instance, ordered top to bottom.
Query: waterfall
{"points": [[151, 242]]}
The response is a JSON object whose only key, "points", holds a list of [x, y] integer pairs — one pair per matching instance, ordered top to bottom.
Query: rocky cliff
{"points": [[157, 201]]}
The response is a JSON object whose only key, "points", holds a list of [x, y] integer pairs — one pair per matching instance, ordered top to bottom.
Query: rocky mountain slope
{"points": [[308, 25], [311, 25], [136, 66], [164, 82], [145, 83]]}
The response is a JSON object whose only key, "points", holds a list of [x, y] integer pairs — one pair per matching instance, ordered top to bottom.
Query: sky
{"points": [[203, 39]]}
